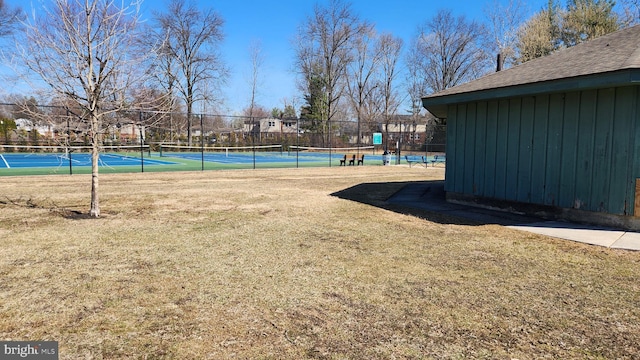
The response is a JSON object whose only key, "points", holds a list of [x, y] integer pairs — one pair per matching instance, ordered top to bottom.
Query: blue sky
{"points": [[274, 23]]}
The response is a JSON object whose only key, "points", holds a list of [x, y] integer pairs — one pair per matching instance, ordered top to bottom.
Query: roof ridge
{"points": [[619, 50]]}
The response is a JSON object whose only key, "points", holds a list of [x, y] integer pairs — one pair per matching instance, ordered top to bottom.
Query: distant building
{"points": [[271, 127], [45, 131], [419, 131], [130, 132], [407, 132]]}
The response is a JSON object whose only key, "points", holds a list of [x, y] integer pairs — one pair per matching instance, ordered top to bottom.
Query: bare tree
{"points": [[630, 14], [9, 18], [504, 21], [191, 38], [79, 48], [389, 48], [449, 51], [323, 52], [257, 61], [362, 72], [161, 75], [416, 86], [24, 107], [157, 110], [258, 111], [288, 111]]}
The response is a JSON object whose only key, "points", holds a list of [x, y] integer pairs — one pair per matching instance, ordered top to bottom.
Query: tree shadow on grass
{"points": [[427, 200], [46, 204]]}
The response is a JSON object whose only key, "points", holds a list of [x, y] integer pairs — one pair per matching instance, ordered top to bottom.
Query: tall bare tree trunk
{"points": [[95, 201], [94, 210]]}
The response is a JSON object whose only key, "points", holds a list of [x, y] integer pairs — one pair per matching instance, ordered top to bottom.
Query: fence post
{"points": [[253, 139], [141, 141], [330, 142]]}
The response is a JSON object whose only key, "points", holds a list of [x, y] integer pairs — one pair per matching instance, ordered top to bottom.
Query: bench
{"points": [[413, 159], [439, 159], [352, 160]]}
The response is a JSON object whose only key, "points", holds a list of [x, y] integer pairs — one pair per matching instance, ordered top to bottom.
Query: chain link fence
{"points": [[37, 128]]}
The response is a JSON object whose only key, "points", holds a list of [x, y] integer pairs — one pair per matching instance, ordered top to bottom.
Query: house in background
{"points": [[27, 125], [271, 127], [405, 128], [420, 133], [558, 135]]}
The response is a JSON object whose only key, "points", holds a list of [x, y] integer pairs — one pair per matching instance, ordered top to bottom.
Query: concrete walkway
{"points": [[430, 196]]}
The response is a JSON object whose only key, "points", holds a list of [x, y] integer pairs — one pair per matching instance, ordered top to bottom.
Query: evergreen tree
{"points": [[588, 19], [553, 28], [540, 35], [315, 107]]}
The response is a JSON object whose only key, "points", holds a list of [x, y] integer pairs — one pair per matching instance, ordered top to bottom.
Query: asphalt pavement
{"points": [[430, 196]]}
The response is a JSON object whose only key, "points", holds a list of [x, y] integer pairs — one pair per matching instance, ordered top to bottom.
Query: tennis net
{"points": [[62, 149], [177, 150], [322, 150]]}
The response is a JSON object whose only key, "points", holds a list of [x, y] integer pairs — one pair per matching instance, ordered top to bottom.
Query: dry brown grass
{"points": [[267, 264]]}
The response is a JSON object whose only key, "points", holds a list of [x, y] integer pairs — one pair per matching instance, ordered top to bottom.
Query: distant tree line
{"points": [[349, 70]]}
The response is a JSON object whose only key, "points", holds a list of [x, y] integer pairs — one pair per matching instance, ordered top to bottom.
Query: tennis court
{"points": [[261, 154], [27, 160], [32, 160], [37, 160]]}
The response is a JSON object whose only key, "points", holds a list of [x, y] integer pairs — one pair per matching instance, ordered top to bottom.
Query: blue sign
{"points": [[377, 138]]}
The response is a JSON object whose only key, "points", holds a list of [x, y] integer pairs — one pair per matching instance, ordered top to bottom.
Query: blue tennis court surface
{"points": [[249, 157], [11, 160], [36, 160]]}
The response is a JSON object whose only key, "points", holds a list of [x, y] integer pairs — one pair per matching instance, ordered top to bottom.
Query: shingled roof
{"points": [[569, 68]]}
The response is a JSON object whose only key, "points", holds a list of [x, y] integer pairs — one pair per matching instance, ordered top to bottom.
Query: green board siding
{"points": [[570, 123], [502, 138], [586, 138], [452, 145], [635, 145], [480, 146], [513, 149], [461, 150], [470, 150], [554, 150], [572, 150], [621, 151], [539, 152], [602, 153], [525, 158], [489, 189]]}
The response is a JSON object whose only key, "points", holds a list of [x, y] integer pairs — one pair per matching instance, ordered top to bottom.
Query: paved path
{"points": [[430, 196]]}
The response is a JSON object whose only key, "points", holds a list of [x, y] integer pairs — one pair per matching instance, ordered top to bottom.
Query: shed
{"points": [[558, 135]]}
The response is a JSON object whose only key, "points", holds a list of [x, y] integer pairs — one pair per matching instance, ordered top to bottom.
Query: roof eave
{"points": [[437, 104]]}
